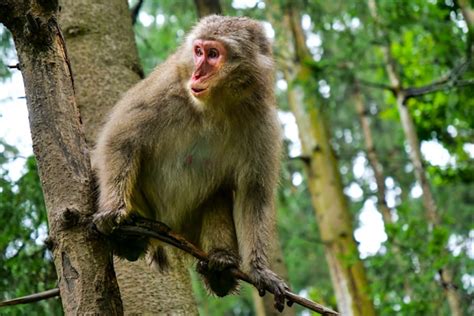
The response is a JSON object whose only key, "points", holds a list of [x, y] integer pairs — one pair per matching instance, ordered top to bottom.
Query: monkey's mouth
{"points": [[198, 91]]}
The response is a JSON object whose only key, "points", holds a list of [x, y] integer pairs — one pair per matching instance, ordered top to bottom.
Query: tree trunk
{"points": [[467, 11], [105, 64], [409, 129], [372, 156], [378, 175], [324, 181], [84, 266]]}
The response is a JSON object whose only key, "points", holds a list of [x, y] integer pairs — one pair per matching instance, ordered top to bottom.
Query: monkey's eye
{"points": [[198, 51], [213, 53]]}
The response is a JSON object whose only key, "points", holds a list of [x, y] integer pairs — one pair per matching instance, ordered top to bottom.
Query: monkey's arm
{"points": [[116, 163], [254, 219]]}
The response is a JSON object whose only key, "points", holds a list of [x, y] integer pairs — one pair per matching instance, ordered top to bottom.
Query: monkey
{"points": [[197, 146]]}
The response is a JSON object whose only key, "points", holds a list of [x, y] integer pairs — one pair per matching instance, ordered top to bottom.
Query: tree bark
{"points": [[105, 64], [409, 129], [324, 181], [83, 263]]}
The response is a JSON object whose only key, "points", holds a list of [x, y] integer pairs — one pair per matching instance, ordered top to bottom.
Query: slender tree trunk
{"points": [[208, 7], [467, 11], [105, 64], [409, 129], [372, 156], [378, 174], [324, 181], [84, 266], [259, 307]]}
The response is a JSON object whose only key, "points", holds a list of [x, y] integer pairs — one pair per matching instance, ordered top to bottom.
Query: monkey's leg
{"points": [[218, 238]]}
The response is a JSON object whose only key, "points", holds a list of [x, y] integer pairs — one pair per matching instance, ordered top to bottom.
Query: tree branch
{"points": [[135, 10], [450, 80], [376, 85], [160, 231], [31, 298]]}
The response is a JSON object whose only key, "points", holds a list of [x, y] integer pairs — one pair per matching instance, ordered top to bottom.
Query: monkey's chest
{"points": [[189, 173]]}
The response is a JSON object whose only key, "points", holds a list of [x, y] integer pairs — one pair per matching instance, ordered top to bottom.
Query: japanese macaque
{"points": [[196, 145]]}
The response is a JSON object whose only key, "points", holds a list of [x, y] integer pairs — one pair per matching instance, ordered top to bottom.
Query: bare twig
{"points": [[136, 10], [16, 66], [450, 80], [376, 85], [160, 231], [31, 298]]}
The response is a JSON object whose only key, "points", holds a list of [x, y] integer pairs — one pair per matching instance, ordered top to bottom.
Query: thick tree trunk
{"points": [[105, 64], [409, 129], [324, 181], [84, 266]]}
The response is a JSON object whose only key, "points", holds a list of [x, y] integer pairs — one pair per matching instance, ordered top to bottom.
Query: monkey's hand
{"points": [[106, 221], [217, 271], [265, 279]]}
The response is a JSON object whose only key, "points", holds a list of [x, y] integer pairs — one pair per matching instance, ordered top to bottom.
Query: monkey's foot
{"points": [[106, 221], [217, 271], [265, 279]]}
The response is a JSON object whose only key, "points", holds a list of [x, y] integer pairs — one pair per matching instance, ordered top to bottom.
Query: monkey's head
{"points": [[231, 57]]}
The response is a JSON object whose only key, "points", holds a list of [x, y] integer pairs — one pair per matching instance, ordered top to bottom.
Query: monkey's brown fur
{"points": [[207, 168]]}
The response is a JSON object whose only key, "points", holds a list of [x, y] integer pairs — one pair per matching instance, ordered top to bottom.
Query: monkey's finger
{"points": [[261, 292], [279, 294], [289, 303], [279, 305]]}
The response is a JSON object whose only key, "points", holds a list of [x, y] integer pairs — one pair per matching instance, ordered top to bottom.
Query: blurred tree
{"points": [[335, 222], [23, 254]]}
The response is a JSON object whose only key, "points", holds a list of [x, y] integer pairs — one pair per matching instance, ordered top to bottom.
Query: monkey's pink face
{"points": [[209, 57]]}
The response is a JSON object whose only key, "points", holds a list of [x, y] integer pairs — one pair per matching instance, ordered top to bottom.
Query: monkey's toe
{"points": [[107, 221], [220, 260], [217, 272], [265, 279]]}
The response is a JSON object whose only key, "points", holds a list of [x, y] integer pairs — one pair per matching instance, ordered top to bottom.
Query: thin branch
{"points": [[136, 10], [16, 66], [452, 79], [447, 81], [376, 85], [160, 231], [31, 298]]}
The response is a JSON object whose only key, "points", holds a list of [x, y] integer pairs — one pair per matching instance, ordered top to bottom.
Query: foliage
{"points": [[427, 40], [25, 263]]}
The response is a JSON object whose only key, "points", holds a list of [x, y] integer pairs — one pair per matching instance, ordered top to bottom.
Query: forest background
{"points": [[376, 202]]}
